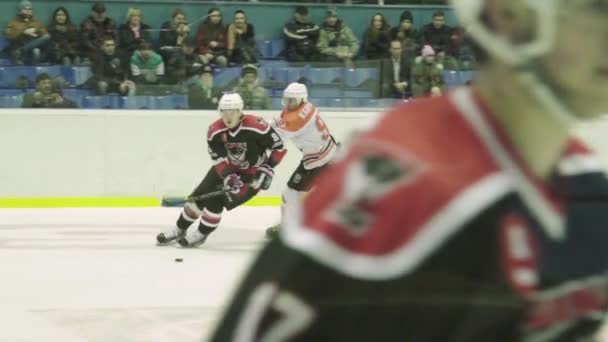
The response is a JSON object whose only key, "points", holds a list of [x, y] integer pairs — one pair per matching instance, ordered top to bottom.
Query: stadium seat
{"points": [[277, 46], [264, 48], [10, 74], [77, 75], [324, 75], [466, 76], [223, 77], [355, 77], [451, 78], [320, 91], [357, 93], [76, 95], [11, 101], [319, 101], [99, 102], [138, 102], [170, 102], [342, 102], [275, 103], [378, 103]]}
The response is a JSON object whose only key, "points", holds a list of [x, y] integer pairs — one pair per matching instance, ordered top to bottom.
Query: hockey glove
{"points": [[263, 177], [233, 183]]}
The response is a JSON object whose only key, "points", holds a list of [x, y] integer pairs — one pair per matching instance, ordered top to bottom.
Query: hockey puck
{"points": [[179, 259]]}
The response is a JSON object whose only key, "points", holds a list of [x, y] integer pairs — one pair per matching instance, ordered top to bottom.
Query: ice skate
{"points": [[170, 235], [194, 238]]}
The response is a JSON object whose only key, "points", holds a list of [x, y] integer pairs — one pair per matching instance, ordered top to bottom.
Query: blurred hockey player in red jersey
{"points": [[301, 122], [244, 150], [475, 216]]}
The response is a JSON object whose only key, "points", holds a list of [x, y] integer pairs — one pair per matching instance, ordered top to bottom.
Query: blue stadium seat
{"points": [[3, 42], [277, 46], [264, 47], [5, 61], [270, 63], [53, 71], [9, 74], [279, 74], [77, 75], [324, 75], [224, 76], [466, 76], [355, 77], [451, 78], [15, 91], [320, 91], [357, 93], [76, 95], [11, 101], [319, 101], [98, 102], [138, 102], [170, 102], [341, 102], [275, 103], [378, 103]]}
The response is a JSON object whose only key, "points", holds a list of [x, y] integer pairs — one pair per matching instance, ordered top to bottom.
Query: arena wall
{"points": [[135, 157]]}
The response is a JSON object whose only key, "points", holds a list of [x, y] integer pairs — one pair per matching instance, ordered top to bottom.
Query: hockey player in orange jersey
{"points": [[301, 122]]}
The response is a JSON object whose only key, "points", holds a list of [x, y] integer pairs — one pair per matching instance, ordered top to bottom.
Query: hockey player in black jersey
{"points": [[244, 150], [474, 216]]}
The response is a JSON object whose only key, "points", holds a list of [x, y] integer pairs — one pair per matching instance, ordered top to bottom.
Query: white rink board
{"points": [[144, 153]]}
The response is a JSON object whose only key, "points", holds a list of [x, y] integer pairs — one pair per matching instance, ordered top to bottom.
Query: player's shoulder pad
{"points": [[255, 123], [215, 128], [578, 159]]}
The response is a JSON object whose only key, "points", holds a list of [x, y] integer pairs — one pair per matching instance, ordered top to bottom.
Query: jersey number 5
{"points": [[322, 128]]}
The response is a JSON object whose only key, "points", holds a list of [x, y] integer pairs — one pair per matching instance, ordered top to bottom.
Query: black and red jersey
{"points": [[241, 149], [431, 227]]}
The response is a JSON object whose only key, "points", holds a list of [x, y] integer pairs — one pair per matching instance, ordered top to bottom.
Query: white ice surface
{"points": [[95, 274]]}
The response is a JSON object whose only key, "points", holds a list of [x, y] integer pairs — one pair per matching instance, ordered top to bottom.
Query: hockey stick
{"points": [[179, 201]]}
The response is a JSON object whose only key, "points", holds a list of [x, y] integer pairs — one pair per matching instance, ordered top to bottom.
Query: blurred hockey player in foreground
{"points": [[301, 122], [245, 150], [475, 216]]}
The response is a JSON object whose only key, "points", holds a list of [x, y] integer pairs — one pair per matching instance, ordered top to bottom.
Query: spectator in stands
{"points": [[93, 30], [133, 32], [173, 33], [407, 34], [436, 34], [27, 36], [301, 37], [377, 38], [211, 39], [241, 40], [337, 42], [64, 47], [460, 51], [183, 63], [147, 67], [110, 72], [396, 73], [427, 76], [202, 94], [253, 94], [46, 95]]}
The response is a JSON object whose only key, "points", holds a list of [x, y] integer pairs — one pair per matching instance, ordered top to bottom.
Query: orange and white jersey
{"points": [[305, 127]]}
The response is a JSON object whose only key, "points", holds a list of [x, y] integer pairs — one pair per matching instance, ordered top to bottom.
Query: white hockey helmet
{"points": [[470, 13], [522, 57], [294, 95], [231, 109]]}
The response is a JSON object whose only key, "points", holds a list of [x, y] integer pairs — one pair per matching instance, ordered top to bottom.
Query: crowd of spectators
{"points": [[123, 58]]}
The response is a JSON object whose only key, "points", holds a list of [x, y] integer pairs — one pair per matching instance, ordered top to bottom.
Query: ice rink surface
{"points": [[96, 275]]}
